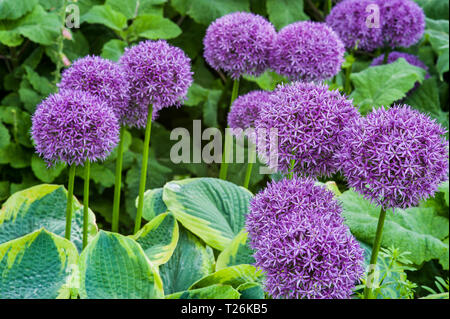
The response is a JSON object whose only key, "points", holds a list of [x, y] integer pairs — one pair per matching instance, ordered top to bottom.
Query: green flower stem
{"points": [[329, 5], [386, 55], [347, 86], [148, 128], [227, 146], [87, 169], [291, 169], [248, 173], [118, 183], [69, 208], [375, 250]]}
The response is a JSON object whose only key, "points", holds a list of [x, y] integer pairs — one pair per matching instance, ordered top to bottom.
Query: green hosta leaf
{"points": [[13, 9], [206, 11], [284, 12], [107, 16], [38, 26], [153, 27], [113, 49], [384, 84], [44, 173], [153, 203], [42, 206], [211, 208], [418, 230], [159, 238], [236, 253], [190, 261], [39, 265], [113, 266], [234, 276], [251, 290], [210, 292]]}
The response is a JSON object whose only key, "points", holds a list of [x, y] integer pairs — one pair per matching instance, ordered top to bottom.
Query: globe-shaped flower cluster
{"points": [[350, 20], [239, 43], [308, 51], [159, 74], [103, 78], [246, 109], [309, 119], [72, 126], [395, 157], [301, 242]]}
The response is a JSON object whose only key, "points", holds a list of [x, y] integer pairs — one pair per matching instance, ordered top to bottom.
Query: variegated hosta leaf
{"points": [[153, 203], [43, 206], [212, 209], [158, 238], [238, 252], [191, 260], [40, 265], [113, 266], [234, 276], [251, 290], [210, 292]]}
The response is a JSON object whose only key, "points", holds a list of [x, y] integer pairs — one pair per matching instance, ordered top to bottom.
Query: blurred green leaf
{"points": [[13, 9], [206, 11], [284, 12], [107, 16], [153, 27], [113, 49], [43, 172]]}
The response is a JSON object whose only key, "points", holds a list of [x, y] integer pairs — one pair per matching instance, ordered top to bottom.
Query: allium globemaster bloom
{"points": [[349, 20], [403, 22], [239, 43], [308, 51], [159, 74], [103, 78], [246, 109], [309, 119], [72, 126], [395, 157], [301, 242]]}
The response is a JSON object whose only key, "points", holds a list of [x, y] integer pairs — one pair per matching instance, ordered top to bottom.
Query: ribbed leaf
{"points": [[153, 203], [238, 252], [39, 265], [113, 266], [210, 292]]}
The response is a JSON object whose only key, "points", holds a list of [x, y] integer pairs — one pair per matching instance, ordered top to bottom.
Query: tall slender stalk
{"points": [[328, 9], [386, 55], [347, 86], [227, 146], [87, 169], [291, 169], [248, 173], [118, 183], [69, 208], [137, 224], [375, 250]]}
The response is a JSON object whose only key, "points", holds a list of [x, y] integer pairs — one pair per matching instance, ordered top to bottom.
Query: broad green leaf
{"points": [[51, 4], [128, 8], [13, 9], [435, 9], [206, 11], [284, 12], [107, 16], [38, 25], [153, 27], [437, 34], [77, 47], [113, 49], [266, 81], [40, 83], [384, 84], [29, 97], [20, 123], [5, 138], [15, 155], [43, 172], [100, 174], [444, 188], [4, 190], [153, 203], [42, 206], [211, 208], [418, 230], [159, 238], [236, 253], [190, 261], [39, 265], [113, 266], [234, 276], [251, 290], [210, 292]]}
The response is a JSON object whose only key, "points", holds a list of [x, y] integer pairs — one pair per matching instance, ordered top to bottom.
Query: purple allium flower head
{"points": [[349, 20], [403, 22], [239, 43], [308, 51], [411, 59], [159, 74], [103, 78], [246, 108], [309, 119], [72, 126], [395, 157], [301, 242]]}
